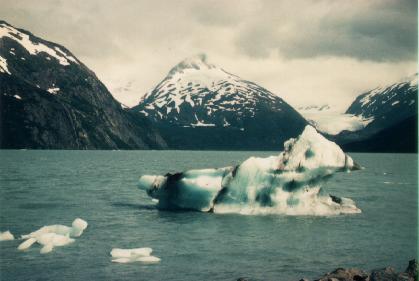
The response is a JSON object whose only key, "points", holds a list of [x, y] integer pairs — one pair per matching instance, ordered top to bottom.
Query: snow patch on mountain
{"points": [[35, 48], [3, 66], [388, 92]]}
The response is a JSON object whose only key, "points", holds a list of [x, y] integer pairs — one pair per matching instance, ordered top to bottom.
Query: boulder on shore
{"points": [[355, 274], [382, 274]]}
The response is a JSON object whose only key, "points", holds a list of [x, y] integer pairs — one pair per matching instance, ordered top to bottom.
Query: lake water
{"points": [[47, 187]]}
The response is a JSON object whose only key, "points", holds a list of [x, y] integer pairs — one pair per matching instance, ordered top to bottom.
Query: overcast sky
{"points": [[307, 52]]}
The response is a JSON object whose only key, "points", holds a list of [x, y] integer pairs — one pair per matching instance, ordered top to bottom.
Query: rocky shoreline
{"points": [[355, 274]]}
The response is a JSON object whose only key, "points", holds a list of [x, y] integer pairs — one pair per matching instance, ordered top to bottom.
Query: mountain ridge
{"points": [[50, 99], [391, 106]]}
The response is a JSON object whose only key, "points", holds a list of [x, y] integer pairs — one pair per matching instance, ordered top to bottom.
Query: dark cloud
{"points": [[366, 30], [378, 30], [300, 49]]}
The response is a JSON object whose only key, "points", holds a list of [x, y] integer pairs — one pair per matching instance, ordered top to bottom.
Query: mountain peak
{"points": [[34, 45], [197, 62], [412, 79]]}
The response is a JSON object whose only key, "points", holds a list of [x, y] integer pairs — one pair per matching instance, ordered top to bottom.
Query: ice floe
{"points": [[54, 90], [6, 236], [51, 236], [142, 255]]}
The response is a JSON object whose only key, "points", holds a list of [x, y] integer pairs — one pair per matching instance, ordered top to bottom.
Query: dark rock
{"points": [[412, 270], [343, 274], [384, 274]]}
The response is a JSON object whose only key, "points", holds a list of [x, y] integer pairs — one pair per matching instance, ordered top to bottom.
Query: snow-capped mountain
{"points": [[198, 94], [208, 95], [50, 99], [388, 105], [391, 112]]}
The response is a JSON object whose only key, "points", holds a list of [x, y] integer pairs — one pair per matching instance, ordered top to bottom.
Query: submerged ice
{"points": [[289, 183]]}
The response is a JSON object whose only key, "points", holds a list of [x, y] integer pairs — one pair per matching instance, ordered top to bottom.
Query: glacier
{"points": [[289, 183]]}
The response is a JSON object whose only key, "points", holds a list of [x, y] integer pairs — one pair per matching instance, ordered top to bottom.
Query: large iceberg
{"points": [[289, 183]]}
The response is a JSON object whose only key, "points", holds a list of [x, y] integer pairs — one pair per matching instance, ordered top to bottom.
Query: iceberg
{"points": [[289, 183], [51, 236], [133, 255]]}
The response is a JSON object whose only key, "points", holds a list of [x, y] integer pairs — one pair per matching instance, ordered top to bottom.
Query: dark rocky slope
{"points": [[49, 99], [392, 114], [398, 138]]}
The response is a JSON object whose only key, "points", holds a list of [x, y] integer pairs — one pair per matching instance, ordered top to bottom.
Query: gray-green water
{"points": [[46, 187]]}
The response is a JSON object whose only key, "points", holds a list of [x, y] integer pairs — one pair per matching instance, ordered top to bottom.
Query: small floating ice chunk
{"points": [[53, 91], [17, 97], [6, 236], [51, 236], [126, 253], [133, 255], [149, 259]]}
